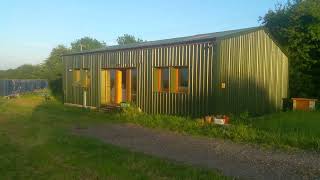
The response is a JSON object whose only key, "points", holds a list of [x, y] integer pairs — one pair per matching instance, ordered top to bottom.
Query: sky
{"points": [[30, 29]]}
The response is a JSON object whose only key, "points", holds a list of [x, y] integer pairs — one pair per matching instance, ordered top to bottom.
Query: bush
{"points": [[55, 86], [287, 104], [317, 106], [131, 111], [285, 129]]}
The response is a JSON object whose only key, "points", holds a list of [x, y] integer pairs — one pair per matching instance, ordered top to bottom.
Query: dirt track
{"points": [[232, 159]]}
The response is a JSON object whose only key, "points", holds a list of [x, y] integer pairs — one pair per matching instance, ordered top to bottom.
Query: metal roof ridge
{"points": [[184, 39]]}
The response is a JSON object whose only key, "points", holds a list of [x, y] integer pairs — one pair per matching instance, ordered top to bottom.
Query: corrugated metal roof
{"points": [[187, 39]]}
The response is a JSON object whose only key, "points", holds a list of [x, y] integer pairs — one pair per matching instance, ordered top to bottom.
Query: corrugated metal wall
{"points": [[198, 57], [253, 68], [255, 72], [12, 86], [74, 94]]}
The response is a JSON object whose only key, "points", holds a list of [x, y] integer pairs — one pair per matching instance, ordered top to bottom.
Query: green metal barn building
{"points": [[216, 73]]}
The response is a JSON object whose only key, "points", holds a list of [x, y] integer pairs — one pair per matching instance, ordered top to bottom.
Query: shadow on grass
{"points": [[281, 130], [62, 155]]}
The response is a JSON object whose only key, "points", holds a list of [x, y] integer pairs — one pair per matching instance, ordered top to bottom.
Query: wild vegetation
{"points": [[296, 27], [52, 67], [286, 130], [36, 142]]}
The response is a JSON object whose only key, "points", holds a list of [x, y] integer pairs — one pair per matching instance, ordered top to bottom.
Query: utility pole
{"points": [[81, 47], [84, 88]]}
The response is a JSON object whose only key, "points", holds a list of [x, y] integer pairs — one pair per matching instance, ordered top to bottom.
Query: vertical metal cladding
{"points": [[198, 57], [252, 67], [255, 72], [12, 86], [74, 94]]}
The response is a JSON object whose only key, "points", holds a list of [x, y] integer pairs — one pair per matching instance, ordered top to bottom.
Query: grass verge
{"points": [[286, 130], [36, 143]]}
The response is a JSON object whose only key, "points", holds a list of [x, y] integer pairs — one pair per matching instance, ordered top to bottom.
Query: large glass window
{"points": [[76, 75], [85, 79], [161, 79], [164, 79], [179, 79], [183, 79], [112, 85], [134, 85]]}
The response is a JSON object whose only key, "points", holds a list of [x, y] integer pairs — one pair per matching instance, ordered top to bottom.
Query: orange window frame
{"points": [[76, 75], [174, 77], [87, 78], [159, 79], [176, 80], [158, 85], [183, 88]]}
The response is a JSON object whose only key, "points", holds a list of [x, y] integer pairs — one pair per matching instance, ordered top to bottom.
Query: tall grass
{"points": [[289, 130]]}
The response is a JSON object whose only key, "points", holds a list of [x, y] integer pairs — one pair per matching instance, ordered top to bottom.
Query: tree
{"points": [[296, 27], [128, 39], [87, 43], [53, 63], [54, 66], [53, 69], [26, 71]]}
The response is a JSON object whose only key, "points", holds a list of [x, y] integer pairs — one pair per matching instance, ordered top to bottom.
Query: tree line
{"points": [[295, 26], [52, 67]]}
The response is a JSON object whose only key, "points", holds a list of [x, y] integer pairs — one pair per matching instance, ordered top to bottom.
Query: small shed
{"points": [[216, 73], [304, 104]]}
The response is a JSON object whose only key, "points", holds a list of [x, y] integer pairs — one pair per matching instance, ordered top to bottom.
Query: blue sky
{"points": [[30, 29]]}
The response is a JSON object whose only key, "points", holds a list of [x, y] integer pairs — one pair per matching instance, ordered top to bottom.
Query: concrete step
{"points": [[110, 108]]}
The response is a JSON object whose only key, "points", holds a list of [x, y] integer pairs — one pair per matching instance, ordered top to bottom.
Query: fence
{"points": [[15, 86]]}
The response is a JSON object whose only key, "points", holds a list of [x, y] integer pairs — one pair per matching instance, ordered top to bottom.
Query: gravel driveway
{"points": [[232, 159]]}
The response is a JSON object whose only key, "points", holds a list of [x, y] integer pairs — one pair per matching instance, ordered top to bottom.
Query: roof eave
{"points": [[169, 42], [136, 46]]}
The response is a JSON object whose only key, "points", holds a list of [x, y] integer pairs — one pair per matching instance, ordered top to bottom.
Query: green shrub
{"points": [[55, 86], [287, 104], [317, 106], [132, 110], [285, 129]]}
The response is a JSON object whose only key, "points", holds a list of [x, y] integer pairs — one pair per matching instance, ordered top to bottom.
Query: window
{"points": [[76, 75], [81, 78], [85, 79], [161, 79], [164, 79], [179, 79], [183, 79], [134, 85]]}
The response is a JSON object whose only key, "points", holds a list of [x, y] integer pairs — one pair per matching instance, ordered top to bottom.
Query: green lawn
{"points": [[36, 143]]}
